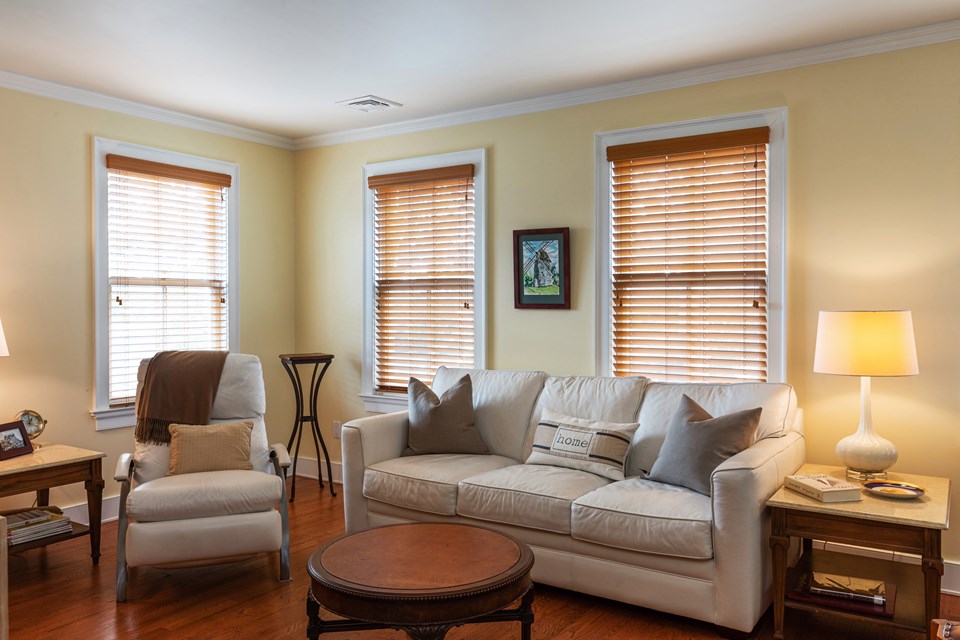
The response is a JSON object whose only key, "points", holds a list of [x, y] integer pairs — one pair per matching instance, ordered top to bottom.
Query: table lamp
{"points": [[3, 342], [866, 344]]}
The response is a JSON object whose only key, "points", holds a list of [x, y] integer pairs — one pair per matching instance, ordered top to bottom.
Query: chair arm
{"points": [[279, 452], [124, 467], [740, 488]]}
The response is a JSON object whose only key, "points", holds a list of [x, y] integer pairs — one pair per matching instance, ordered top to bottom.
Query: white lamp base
{"points": [[866, 455]]}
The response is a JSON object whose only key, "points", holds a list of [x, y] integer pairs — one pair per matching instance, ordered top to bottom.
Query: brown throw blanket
{"points": [[178, 387]]}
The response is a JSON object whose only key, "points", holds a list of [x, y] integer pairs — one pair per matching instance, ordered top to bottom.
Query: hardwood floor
{"points": [[57, 593]]}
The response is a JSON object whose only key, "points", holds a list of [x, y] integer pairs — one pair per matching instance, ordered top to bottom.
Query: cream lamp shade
{"points": [[3, 342], [866, 344]]}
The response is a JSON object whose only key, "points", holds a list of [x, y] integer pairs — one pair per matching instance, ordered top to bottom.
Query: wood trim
{"points": [[719, 140], [172, 171], [426, 175]]}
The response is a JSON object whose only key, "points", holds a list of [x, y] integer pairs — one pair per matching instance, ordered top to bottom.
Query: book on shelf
{"points": [[823, 487], [26, 518], [31, 527], [863, 589], [798, 590]]}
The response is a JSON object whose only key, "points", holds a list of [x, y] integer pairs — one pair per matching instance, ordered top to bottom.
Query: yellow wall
{"points": [[873, 187], [873, 191], [46, 265]]}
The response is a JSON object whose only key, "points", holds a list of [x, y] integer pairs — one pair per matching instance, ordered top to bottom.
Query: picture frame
{"points": [[541, 268], [14, 440]]}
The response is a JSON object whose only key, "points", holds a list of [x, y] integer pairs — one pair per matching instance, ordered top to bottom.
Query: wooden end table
{"points": [[54, 465], [906, 526], [423, 578]]}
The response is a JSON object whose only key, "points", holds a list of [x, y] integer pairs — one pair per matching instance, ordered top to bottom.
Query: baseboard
{"points": [[311, 468]]}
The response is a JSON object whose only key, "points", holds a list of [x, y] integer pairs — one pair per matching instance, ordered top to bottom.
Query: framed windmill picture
{"points": [[541, 268]]}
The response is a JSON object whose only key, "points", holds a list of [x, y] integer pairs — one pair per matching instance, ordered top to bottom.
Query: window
{"points": [[165, 226], [692, 274], [424, 298]]}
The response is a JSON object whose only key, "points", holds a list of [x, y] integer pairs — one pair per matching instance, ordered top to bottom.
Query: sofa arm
{"points": [[378, 438], [364, 442], [740, 488]]}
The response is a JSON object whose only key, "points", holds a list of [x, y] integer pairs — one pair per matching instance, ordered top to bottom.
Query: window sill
{"points": [[383, 402], [114, 418]]}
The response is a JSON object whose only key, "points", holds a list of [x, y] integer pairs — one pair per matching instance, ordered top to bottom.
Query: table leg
{"points": [[315, 381], [94, 487], [43, 497], [779, 545], [932, 565], [526, 614], [313, 617]]}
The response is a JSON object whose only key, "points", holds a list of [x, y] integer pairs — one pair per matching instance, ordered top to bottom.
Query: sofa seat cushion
{"points": [[428, 482], [204, 495], [526, 495], [647, 516]]}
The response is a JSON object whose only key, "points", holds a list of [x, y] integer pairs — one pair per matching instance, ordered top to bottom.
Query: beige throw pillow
{"points": [[445, 424], [588, 445], [213, 447]]}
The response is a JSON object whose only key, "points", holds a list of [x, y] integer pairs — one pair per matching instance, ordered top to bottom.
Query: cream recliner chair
{"points": [[212, 516]]}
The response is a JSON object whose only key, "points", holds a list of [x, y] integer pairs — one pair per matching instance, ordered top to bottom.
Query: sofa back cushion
{"points": [[589, 398], [662, 399], [503, 403]]}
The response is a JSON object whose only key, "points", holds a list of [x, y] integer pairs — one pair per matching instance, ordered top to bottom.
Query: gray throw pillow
{"points": [[445, 424], [696, 443]]}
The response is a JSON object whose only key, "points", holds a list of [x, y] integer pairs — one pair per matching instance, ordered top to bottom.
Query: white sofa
{"points": [[636, 541]]}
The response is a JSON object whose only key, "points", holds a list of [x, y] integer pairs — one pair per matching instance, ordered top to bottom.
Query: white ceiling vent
{"points": [[369, 103]]}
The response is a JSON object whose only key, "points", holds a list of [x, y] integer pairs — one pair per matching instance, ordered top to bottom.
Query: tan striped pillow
{"points": [[588, 445], [212, 447]]}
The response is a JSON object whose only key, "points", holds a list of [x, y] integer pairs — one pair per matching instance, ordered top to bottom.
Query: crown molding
{"points": [[916, 37], [870, 45], [96, 100]]}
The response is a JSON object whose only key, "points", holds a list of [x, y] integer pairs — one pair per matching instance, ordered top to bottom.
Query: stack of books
{"points": [[823, 487], [34, 524], [863, 595]]}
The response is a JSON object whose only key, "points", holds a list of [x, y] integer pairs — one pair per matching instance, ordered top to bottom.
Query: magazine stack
{"points": [[34, 524]]}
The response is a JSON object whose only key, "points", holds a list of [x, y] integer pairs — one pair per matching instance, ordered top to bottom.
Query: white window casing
{"points": [[775, 120], [168, 264], [380, 401]]}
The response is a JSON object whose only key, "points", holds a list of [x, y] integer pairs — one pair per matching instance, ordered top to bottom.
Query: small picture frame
{"points": [[541, 268], [14, 440]]}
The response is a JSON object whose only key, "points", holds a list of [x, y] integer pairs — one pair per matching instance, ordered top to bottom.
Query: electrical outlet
{"points": [[336, 428]]}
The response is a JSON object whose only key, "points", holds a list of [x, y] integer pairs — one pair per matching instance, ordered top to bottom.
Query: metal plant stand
{"points": [[290, 362]]}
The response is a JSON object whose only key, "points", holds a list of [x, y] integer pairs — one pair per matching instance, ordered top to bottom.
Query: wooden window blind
{"points": [[167, 236], [689, 257], [423, 274]]}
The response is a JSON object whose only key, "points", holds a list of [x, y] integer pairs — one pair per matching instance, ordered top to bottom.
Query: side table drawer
{"points": [[893, 537]]}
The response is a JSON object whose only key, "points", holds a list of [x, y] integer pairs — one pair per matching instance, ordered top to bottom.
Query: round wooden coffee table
{"points": [[423, 578]]}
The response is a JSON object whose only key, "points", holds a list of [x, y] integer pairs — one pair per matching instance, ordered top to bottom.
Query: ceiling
{"points": [[280, 66]]}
